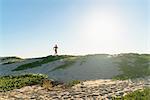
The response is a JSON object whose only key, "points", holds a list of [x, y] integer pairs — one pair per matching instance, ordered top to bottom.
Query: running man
{"points": [[55, 49]]}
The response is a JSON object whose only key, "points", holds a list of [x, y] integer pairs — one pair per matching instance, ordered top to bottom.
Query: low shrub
{"points": [[13, 82], [73, 83], [47, 84], [136, 95]]}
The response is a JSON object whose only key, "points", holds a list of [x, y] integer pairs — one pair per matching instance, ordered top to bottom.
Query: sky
{"points": [[30, 28]]}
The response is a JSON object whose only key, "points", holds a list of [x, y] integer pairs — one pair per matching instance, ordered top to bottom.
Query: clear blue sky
{"points": [[30, 28]]}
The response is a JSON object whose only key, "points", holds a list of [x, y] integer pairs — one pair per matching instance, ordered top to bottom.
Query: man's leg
{"points": [[55, 52]]}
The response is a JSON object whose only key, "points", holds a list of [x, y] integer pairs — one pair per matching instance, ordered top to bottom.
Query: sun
{"points": [[99, 28]]}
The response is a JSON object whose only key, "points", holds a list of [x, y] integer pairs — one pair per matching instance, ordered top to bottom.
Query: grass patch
{"points": [[10, 58], [10, 62], [68, 62], [39, 63], [27, 66], [133, 66], [14, 82], [73, 83], [48, 84], [137, 95]]}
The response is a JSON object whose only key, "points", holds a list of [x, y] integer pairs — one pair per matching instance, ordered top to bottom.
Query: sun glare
{"points": [[98, 28]]}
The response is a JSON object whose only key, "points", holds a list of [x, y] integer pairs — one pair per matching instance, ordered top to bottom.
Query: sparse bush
{"points": [[72, 83], [47, 84]]}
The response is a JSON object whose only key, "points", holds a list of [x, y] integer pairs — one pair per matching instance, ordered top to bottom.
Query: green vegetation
{"points": [[10, 58], [82, 60], [10, 62], [68, 62], [39, 63], [27, 66], [133, 66], [14, 82], [72, 83], [47, 84], [136, 95]]}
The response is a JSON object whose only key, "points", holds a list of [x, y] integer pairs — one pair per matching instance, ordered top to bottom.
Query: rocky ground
{"points": [[88, 90]]}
